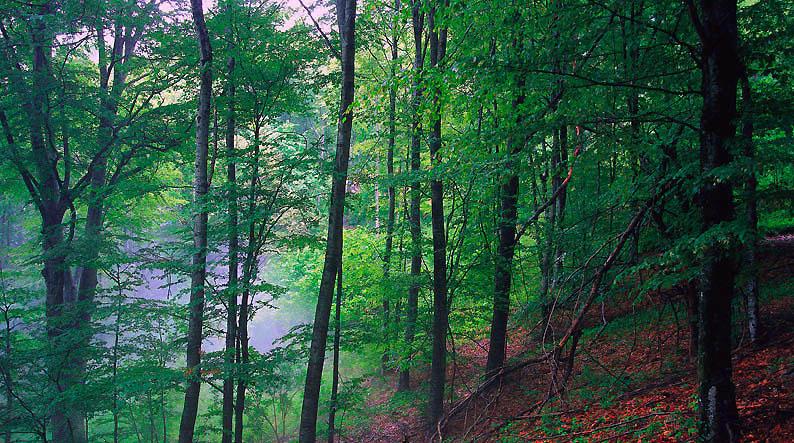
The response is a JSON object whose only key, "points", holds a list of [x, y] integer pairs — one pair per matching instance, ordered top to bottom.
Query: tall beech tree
{"points": [[346, 22], [715, 23], [392, 205], [414, 214], [506, 233], [198, 270], [230, 345], [438, 370]]}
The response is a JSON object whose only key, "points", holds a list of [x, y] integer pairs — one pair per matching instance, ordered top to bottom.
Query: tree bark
{"points": [[346, 16], [720, 67], [392, 193], [414, 216], [199, 265], [503, 265], [249, 276], [232, 287], [754, 326], [438, 366], [335, 369], [67, 423]]}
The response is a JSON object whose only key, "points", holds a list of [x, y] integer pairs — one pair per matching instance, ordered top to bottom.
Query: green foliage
{"points": [[607, 92]]}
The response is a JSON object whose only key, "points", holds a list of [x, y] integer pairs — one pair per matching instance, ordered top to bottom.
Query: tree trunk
{"points": [[346, 16], [123, 48], [720, 72], [392, 194], [751, 214], [414, 216], [199, 265], [503, 265], [249, 276], [232, 287], [116, 337], [7, 367], [438, 367], [335, 369], [67, 423]]}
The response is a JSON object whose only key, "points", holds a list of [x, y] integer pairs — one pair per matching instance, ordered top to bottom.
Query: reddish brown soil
{"points": [[631, 384]]}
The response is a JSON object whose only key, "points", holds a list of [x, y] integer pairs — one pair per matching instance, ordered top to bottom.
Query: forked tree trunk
{"points": [[346, 18], [123, 49], [720, 67], [199, 264]]}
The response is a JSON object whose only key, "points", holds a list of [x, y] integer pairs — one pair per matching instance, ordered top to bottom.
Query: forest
{"points": [[396, 221]]}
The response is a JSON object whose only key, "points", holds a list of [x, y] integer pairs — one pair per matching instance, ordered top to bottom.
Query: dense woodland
{"points": [[396, 220]]}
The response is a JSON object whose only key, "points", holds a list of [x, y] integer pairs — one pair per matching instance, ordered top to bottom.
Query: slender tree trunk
{"points": [[346, 16], [717, 28], [631, 55], [392, 193], [559, 207], [751, 214], [414, 216], [547, 234], [199, 265], [249, 276], [232, 287], [116, 338], [438, 367], [335, 368], [8, 371]]}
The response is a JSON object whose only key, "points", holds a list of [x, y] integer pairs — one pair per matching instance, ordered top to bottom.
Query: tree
{"points": [[346, 21], [716, 25], [438, 48], [414, 215], [506, 232], [199, 265], [230, 345]]}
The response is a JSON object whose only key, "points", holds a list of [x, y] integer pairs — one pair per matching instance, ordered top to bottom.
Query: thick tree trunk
{"points": [[346, 16], [717, 28], [414, 216], [199, 265], [232, 287], [438, 366], [67, 423]]}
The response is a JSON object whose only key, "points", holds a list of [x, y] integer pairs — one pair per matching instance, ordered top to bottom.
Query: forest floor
{"points": [[632, 379]]}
